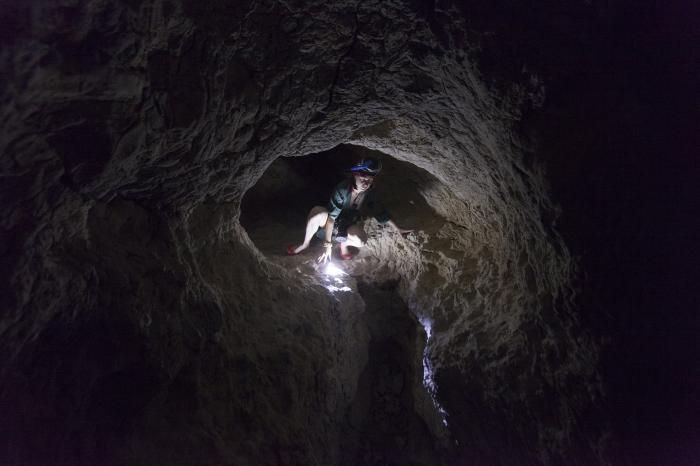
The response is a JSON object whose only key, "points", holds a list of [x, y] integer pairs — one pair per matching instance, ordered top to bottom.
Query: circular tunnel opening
{"points": [[274, 211]]}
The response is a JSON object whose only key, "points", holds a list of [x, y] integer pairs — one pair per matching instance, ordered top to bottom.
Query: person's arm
{"points": [[335, 206], [330, 223], [328, 244]]}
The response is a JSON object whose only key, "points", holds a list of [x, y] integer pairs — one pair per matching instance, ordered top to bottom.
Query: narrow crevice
{"points": [[383, 423]]}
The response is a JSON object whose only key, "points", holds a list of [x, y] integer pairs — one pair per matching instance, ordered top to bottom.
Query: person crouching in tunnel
{"points": [[352, 200]]}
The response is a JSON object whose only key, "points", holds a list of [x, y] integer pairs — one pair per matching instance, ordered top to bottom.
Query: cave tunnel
{"points": [[159, 157], [274, 211]]}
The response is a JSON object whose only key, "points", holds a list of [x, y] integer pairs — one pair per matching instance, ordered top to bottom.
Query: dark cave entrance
{"points": [[274, 211]]}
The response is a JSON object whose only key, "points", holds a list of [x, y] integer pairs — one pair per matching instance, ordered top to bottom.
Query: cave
{"points": [[159, 157]]}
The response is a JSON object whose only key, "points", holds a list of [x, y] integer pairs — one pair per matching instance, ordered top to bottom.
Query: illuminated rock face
{"points": [[142, 325]]}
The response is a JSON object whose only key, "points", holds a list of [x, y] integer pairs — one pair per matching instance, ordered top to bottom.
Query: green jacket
{"points": [[371, 206]]}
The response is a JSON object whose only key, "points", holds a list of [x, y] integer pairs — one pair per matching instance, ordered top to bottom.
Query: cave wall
{"points": [[138, 314]]}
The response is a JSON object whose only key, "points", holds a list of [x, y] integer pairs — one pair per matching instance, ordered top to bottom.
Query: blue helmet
{"points": [[367, 165]]}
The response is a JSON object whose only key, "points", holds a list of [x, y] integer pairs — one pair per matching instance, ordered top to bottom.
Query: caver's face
{"points": [[363, 181]]}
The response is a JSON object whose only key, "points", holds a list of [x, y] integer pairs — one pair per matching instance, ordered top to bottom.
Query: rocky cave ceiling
{"points": [[159, 156]]}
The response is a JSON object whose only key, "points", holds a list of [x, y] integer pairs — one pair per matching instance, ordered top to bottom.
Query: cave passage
{"points": [[274, 211]]}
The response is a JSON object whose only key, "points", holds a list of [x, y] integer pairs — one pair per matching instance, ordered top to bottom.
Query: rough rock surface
{"points": [[140, 323]]}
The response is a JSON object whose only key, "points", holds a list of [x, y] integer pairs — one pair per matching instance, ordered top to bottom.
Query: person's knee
{"points": [[318, 214], [357, 235], [354, 240]]}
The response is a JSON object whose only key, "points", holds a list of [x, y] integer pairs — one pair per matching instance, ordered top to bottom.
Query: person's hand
{"points": [[326, 256]]}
